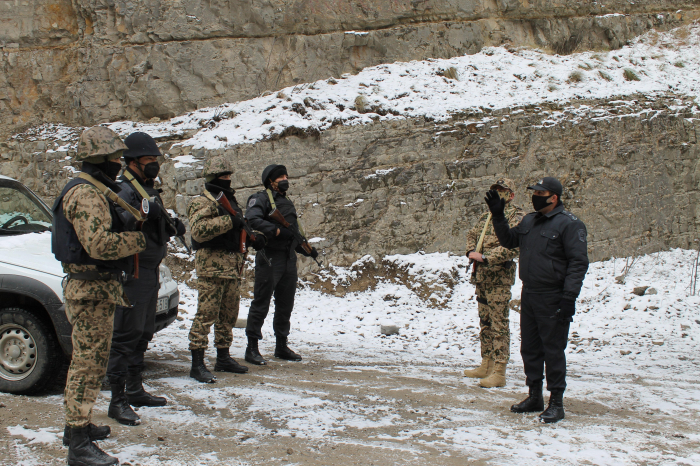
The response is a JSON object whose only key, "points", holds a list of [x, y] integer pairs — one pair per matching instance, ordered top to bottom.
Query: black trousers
{"points": [[279, 280], [134, 326], [543, 339]]}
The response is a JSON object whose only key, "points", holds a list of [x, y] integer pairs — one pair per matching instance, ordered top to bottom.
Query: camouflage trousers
{"points": [[218, 303], [92, 322], [495, 325]]}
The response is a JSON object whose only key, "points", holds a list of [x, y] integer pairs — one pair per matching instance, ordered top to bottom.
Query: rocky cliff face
{"points": [[86, 61], [630, 167], [630, 170]]}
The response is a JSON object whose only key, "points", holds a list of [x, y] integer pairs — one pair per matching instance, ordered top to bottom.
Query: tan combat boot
{"points": [[482, 371], [497, 378]]}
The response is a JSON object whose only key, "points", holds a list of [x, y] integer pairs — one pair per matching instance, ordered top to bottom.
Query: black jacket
{"points": [[257, 211], [155, 250], [553, 250]]}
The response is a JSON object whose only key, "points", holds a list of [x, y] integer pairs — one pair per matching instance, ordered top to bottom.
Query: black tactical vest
{"points": [[66, 246]]}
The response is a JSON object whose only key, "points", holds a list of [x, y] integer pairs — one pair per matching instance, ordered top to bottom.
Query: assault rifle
{"points": [[144, 213], [277, 216], [171, 222], [247, 231]]}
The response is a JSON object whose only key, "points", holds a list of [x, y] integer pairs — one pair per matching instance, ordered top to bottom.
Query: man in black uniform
{"points": [[553, 263], [280, 278], [134, 326]]}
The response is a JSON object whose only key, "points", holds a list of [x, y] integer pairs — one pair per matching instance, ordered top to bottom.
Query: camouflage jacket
{"points": [[88, 210], [205, 224], [499, 268]]}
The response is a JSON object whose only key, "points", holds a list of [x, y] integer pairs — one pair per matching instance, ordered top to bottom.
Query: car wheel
{"points": [[29, 353]]}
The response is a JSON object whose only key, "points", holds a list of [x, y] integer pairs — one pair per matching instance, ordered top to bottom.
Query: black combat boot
{"points": [[282, 351], [252, 354], [225, 363], [199, 370], [138, 396], [534, 402], [119, 408], [555, 409], [95, 432], [82, 452]]}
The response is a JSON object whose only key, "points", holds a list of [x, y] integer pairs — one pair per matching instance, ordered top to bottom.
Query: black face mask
{"points": [[110, 169], [150, 170], [224, 184], [283, 186], [540, 202]]}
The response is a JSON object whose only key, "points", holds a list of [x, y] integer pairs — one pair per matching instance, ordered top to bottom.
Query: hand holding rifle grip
{"points": [[278, 217], [171, 222], [247, 231]]}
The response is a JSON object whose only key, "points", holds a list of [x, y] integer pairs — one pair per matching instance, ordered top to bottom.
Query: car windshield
{"points": [[20, 211]]}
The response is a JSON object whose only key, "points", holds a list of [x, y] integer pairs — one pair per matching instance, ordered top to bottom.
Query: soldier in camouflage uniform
{"points": [[94, 246], [218, 262], [493, 275]]}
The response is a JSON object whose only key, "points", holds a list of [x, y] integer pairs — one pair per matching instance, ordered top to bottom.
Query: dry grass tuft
{"points": [[449, 73], [631, 75], [575, 77], [361, 104]]}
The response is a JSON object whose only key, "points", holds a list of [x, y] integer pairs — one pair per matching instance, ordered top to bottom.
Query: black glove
{"points": [[496, 205], [154, 211], [130, 223], [181, 230], [260, 242], [314, 253], [567, 309]]}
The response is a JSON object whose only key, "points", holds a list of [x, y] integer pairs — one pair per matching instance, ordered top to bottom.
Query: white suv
{"points": [[35, 334]]}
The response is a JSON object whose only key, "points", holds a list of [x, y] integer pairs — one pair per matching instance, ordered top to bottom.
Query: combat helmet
{"points": [[98, 144], [140, 145], [216, 166]]}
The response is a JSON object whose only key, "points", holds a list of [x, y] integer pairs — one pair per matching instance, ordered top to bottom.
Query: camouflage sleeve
{"points": [[87, 209], [205, 221], [473, 234], [500, 254]]}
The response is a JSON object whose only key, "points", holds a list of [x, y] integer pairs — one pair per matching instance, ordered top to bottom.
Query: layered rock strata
{"points": [[86, 62], [630, 169]]}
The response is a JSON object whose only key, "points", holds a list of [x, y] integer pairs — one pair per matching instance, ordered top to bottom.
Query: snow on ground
{"points": [[495, 78], [656, 326], [627, 352], [633, 395], [44, 435]]}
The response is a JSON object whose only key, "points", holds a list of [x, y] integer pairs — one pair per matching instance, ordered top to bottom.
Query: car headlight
{"points": [[165, 275]]}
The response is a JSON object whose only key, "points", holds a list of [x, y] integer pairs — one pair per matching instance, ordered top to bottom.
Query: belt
{"points": [[94, 275]]}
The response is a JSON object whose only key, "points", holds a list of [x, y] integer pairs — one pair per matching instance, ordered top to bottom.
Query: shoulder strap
{"points": [[136, 184], [112, 196], [209, 196], [272, 199], [480, 245]]}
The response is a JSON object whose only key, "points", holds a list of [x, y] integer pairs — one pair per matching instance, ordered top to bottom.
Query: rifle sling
{"points": [[136, 185], [208, 195], [112, 196], [274, 207], [480, 243]]}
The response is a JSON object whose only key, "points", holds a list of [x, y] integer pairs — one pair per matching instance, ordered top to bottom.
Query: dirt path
{"points": [[321, 412]]}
